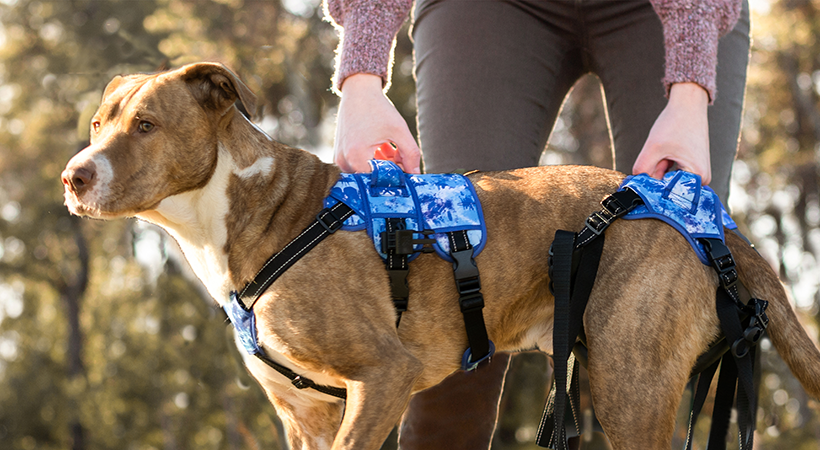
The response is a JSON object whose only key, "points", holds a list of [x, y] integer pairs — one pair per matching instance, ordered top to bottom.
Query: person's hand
{"points": [[367, 119], [679, 139]]}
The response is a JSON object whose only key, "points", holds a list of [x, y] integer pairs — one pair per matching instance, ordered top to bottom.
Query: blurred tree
{"points": [[105, 342]]}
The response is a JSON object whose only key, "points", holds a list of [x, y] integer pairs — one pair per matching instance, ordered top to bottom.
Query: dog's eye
{"points": [[95, 125], [145, 126]]}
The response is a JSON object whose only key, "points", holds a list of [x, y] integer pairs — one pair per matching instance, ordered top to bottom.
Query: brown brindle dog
{"points": [[172, 149]]}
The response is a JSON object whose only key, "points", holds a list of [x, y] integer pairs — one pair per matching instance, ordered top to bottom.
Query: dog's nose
{"points": [[78, 179]]}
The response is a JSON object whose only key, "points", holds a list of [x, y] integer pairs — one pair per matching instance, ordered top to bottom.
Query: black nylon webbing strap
{"points": [[613, 207], [327, 222], [574, 266], [397, 269], [470, 298], [736, 365], [704, 380], [301, 382], [727, 382], [746, 399], [551, 432]]}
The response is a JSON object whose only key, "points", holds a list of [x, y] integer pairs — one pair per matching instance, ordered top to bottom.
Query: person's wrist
{"points": [[361, 82], [689, 94]]}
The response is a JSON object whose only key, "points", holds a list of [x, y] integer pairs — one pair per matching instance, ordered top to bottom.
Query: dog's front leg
{"points": [[375, 404], [310, 423]]}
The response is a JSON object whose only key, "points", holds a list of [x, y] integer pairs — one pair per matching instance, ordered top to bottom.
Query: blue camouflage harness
{"points": [[697, 213], [406, 214]]}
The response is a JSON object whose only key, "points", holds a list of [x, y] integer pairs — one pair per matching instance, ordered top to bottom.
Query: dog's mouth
{"points": [[79, 208], [92, 209]]}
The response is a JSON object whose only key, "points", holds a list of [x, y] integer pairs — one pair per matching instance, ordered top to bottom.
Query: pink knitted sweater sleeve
{"points": [[367, 30], [691, 30]]}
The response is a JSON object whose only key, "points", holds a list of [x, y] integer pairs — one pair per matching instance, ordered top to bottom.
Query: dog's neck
{"points": [[261, 195]]}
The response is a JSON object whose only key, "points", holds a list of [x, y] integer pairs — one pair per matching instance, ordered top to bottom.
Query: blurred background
{"points": [[106, 340]]}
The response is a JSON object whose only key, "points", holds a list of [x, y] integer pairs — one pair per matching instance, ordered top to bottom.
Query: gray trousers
{"points": [[492, 76], [491, 79]]}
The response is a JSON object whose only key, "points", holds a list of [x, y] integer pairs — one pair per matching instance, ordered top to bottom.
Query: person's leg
{"points": [[625, 49], [629, 60], [491, 78], [487, 99], [726, 113], [459, 413]]}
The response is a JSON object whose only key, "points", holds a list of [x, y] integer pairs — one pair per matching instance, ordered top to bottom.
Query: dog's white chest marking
{"points": [[197, 220]]}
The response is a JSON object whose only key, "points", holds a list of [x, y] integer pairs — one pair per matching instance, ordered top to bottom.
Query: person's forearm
{"points": [[367, 30], [691, 31], [693, 95]]}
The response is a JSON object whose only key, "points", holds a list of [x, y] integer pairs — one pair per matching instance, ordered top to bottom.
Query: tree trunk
{"points": [[72, 292]]}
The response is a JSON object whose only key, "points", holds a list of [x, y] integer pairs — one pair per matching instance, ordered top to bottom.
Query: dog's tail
{"points": [[787, 335]]}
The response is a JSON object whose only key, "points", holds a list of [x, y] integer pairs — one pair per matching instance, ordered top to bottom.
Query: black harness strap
{"points": [[327, 222], [398, 244], [574, 263], [396, 268], [470, 300], [743, 325], [301, 382], [551, 432]]}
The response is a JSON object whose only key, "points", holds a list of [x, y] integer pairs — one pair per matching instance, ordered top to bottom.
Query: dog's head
{"points": [[153, 136]]}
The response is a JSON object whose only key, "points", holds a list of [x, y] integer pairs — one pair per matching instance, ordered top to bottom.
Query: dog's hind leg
{"points": [[645, 327], [636, 407]]}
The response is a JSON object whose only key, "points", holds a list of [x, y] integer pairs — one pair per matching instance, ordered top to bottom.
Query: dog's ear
{"points": [[112, 86], [217, 88]]}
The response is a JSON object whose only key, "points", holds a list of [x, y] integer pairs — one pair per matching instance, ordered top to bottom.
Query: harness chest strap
{"points": [[327, 222]]}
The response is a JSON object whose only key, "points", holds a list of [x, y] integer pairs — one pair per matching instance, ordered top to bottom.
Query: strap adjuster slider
{"points": [[598, 221], [331, 227], [302, 383]]}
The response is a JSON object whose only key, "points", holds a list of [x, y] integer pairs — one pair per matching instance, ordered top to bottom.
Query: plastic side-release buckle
{"points": [[403, 242], [722, 261], [464, 267], [466, 361]]}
